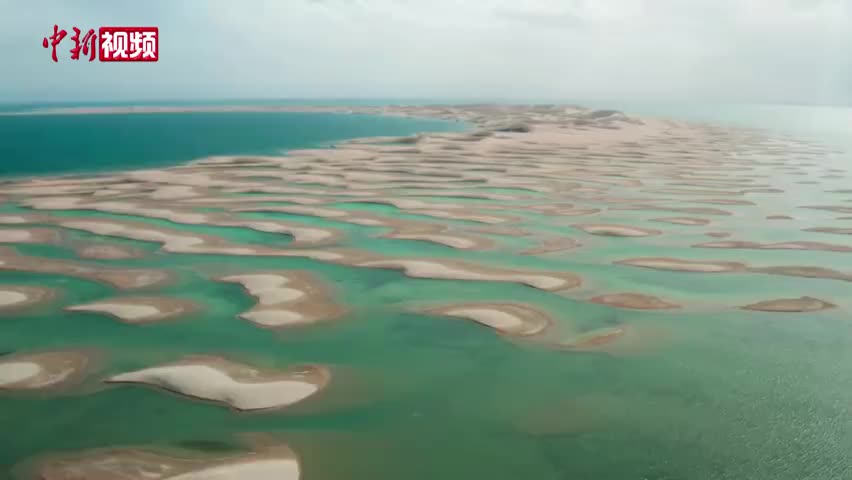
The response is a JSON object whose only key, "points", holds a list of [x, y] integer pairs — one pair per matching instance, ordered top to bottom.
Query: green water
{"points": [[715, 393], [727, 395]]}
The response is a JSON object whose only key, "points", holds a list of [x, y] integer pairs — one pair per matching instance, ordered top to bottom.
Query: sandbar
{"points": [[689, 221], [617, 230], [832, 230], [28, 235], [552, 245], [803, 245], [108, 252], [681, 265], [459, 270], [122, 278], [15, 297], [286, 298], [636, 301], [791, 305], [138, 309], [506, 318], [593, 340], [36, 371], [239, 386], [275, 462]]}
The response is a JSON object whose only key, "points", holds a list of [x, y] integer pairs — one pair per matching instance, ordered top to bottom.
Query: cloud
{"points": [[534, 18], [720, 50]]}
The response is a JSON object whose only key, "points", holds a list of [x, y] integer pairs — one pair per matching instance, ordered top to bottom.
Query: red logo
{"points": [[57, 37], [117, 44], [129, 44]]}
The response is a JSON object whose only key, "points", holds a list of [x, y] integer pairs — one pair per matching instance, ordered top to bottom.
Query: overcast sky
{"points": [[796, 51]]}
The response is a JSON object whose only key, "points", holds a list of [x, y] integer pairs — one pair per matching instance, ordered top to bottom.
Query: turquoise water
{"points": [[41, 145], [716, 393]]}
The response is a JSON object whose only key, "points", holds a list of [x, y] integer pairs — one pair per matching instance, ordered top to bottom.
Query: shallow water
{"points": [[709, 392]]}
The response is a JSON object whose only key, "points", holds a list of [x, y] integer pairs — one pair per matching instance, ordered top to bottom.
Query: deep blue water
{"points": [[50, 144]]}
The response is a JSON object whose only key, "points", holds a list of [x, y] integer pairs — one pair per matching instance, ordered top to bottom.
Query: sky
{"points": [[761, 51]]}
